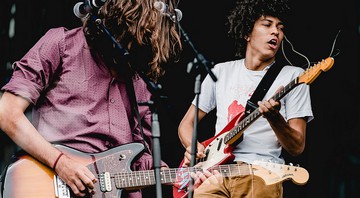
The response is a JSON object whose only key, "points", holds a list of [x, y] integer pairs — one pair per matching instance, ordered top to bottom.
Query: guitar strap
{"points": [[115, 59], [262, 88], [134, 107], [2, 178]]}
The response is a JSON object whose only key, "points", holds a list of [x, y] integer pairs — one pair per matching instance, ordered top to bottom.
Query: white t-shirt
{"points": [[229, 95]]}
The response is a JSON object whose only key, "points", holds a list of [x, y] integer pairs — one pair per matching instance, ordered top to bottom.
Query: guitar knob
{"points": [[122, 157]]}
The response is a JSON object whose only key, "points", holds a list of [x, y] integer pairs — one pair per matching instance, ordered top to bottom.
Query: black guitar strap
{"points": [[117, 60], [262, 88], [134, 107], [2, 179]]}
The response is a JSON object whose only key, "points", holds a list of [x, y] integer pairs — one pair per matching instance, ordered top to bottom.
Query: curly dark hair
{"points": [[242, 18], [151, 38]]}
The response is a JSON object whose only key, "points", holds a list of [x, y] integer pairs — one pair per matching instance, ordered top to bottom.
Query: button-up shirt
{"points": [[76, 101]]}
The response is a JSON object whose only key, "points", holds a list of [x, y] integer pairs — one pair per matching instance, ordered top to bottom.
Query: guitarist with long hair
{"points": [[257, 27], [77, 83]]}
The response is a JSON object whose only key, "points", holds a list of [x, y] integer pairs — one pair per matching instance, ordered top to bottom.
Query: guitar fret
{"points": [[233, 170], [225, 171], [164, 176], [170, 176], [173, 176], [149, 177], [161, 177], [145, 178], [127, 179], [131, 179], [136, 179], [139, 179], [118, 181], [123, 181], [142, 181]]}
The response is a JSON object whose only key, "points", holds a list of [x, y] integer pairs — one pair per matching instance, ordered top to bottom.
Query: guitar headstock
{"points": [[313, 72], [273, 173]]}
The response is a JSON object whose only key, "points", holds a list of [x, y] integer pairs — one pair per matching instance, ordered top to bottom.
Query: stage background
{"points": [[332, 153]]}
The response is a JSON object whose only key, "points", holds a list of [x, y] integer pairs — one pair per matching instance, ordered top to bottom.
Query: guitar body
{"points": [[217, 152], [29, 178]]}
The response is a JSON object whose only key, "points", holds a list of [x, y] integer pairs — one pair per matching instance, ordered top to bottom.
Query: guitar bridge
{"points": [[61, 189]]}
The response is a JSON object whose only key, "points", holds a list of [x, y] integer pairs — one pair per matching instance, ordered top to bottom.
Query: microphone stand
{"points": [[199, 58], [153, 89], [155, 128]]}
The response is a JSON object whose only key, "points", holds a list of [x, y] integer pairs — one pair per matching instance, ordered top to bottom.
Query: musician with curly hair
{"points": [[257, 27], [77, 83]]}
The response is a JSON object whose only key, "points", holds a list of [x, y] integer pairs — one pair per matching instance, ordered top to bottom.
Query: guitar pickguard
{"points": [[216, 152]]}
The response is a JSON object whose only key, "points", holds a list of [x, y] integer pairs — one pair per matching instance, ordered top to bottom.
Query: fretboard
{"points": [[147, 178]]}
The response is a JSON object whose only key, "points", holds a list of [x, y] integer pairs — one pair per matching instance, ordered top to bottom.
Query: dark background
{"points": [[332, 153]]}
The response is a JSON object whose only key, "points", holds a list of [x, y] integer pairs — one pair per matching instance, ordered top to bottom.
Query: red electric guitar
{"points": [[218, 149]]}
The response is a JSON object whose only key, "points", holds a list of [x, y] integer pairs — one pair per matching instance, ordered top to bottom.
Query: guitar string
{"points": [[135, 178]]}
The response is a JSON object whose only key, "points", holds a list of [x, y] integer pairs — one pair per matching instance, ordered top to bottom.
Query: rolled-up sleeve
{"points": [[33, 72]]}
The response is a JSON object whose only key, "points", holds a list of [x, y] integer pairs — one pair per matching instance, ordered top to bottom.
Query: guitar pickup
{"points": [[219, 144], [206, 154], [105, 182], [61, 189]]}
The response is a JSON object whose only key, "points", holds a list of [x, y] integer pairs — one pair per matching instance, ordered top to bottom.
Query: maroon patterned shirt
{"points": [[76, 101]]}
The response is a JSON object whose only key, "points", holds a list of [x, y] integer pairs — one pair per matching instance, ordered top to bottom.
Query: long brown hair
{"points": [[146, 33]]}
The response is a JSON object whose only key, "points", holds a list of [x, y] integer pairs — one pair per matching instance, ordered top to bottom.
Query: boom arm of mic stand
{"points": [[207, 65]]}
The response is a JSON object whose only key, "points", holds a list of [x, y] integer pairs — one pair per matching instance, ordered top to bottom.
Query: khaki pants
{"points": [[248, 186]]}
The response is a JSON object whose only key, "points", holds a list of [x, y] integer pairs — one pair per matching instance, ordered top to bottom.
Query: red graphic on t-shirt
{"points": [[234, 109]]}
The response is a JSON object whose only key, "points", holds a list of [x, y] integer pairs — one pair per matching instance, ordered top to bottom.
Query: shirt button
{"points": [[112, 100]]}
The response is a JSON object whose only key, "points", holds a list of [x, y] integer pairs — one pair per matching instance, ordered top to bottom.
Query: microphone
{"points": [[82, 9], [164, 9]]}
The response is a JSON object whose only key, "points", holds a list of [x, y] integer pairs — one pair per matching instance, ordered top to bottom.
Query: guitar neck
{"points": [[280, 94], [233, 134], [229, 170], [173, 175], [143, 178]]}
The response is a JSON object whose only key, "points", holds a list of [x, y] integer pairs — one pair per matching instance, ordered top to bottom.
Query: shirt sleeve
{"points": [[33, 72], [207, 98], [298, 104]]}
